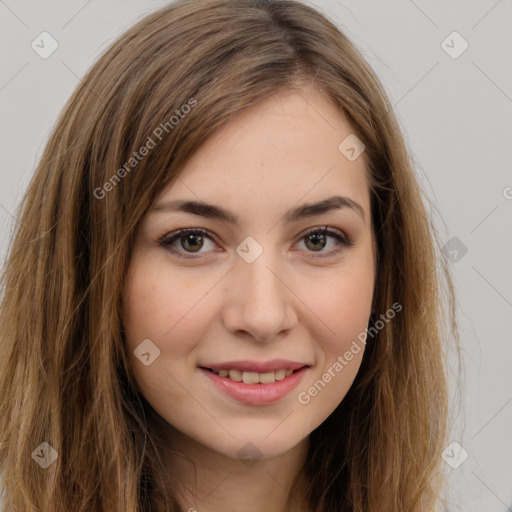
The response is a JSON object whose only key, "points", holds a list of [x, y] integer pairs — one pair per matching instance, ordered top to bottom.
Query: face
{"points": [[255, 287]]}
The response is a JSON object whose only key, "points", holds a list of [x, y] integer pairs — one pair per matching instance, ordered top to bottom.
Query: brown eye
{"points": [[317, 239], [190, 241], [186, 243]]}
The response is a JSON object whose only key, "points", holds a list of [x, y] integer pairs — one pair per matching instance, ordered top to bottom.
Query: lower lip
{"points": [[256, 394]]}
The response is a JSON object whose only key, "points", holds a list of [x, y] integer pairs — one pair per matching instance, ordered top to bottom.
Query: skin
{"points": [[289, 303]]}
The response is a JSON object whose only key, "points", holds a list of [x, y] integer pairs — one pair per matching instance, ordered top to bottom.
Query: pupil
{"points": [[317, 237], [189, 240]]}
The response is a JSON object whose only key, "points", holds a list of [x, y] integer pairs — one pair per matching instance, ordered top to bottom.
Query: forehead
{"points": [[278, 153]]}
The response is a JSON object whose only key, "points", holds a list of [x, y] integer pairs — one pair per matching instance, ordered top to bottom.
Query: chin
{"points": [[262, 442]]}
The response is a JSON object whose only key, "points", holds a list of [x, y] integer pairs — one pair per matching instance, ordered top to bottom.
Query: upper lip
{"points": [[255, 366]]}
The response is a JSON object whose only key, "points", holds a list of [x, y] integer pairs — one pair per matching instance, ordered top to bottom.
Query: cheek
{"points": [[143, 303], [154, 305], [344, 307], [167, 309], [154, 311]]}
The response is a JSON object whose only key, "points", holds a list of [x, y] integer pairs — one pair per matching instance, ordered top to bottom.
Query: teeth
{"points": [[280, 374], [235, 375], [254, 377], [251, 378], [267, 378]]}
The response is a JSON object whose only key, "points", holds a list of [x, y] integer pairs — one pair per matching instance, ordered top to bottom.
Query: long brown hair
{"points": [[64, 373]]}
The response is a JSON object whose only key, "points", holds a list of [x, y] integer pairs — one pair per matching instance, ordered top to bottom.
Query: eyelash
{"points": [[168, 240]]}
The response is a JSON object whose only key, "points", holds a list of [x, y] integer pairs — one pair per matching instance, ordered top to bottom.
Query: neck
{"points": [[208, 481]]}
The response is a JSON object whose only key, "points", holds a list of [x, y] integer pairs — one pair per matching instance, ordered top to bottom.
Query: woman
{"points": [[259, 371]]}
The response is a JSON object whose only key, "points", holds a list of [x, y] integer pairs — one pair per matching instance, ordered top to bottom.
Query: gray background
{"points": [[456, 114]]}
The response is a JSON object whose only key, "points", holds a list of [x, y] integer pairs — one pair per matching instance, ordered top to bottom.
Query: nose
{"points": [[259, 303]]}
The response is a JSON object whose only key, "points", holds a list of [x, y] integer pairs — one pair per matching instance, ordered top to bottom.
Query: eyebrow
{"points": [[295, 214]]}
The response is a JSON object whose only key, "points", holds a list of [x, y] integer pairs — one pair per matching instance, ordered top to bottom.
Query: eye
{"points": [[317, 239], [191, 241]]}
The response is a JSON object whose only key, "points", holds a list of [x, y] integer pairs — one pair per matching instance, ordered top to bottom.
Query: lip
{"points": [[255, 366], [256, 394]]}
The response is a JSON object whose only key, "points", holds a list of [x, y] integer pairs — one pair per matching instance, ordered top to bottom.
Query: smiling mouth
{"points": [[253, 377]]}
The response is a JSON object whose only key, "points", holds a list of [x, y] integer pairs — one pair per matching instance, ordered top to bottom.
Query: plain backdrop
{"points": [[452, 94]]}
